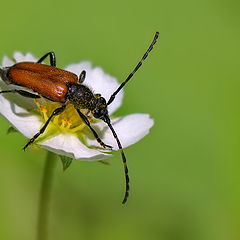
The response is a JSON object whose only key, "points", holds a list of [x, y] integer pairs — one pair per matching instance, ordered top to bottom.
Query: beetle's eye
{"points": [[97, 113]]}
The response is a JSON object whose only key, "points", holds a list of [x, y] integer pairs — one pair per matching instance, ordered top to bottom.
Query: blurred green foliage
{"points": [[185, 175]]}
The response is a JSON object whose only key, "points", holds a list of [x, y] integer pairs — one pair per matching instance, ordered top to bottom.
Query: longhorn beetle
{"points": [[65, 87]]}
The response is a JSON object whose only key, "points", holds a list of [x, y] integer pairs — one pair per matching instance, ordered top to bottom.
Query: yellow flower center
{"points": [[67, 122]]}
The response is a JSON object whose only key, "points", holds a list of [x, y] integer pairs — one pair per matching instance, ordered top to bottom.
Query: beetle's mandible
{"points": [[64, 87]]}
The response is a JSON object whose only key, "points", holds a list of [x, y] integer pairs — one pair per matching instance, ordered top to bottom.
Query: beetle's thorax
{"points": [[81, 97]]}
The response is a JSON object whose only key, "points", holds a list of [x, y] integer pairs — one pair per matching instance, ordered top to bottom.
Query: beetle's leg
{"points": [[52, 58], [82, 76], [21, 92], [55, 113], [84, 118]]}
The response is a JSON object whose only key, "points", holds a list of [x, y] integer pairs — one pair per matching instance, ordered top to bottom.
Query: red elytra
{"points": [[47, 81]]}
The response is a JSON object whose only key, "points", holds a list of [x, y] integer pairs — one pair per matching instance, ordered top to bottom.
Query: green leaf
{"points": [[11, 130], [66, 162], [105, 162]]}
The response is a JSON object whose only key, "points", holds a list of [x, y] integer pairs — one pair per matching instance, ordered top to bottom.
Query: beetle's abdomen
{"points": [[47, 81]]}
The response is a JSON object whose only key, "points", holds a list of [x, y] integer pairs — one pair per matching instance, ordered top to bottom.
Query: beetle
{"points": [[64, 87]]}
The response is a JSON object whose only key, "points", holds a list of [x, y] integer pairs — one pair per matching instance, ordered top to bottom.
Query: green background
{"points": [[185, 175]]}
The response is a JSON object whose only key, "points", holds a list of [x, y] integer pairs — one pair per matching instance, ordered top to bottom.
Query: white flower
{"points": [[67, 134]]}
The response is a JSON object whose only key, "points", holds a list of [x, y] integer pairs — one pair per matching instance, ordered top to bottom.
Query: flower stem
{"points": [[45, 196]]}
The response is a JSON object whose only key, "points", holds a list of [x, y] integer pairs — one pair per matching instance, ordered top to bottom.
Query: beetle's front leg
{"points": [[55, 113], [84, 118]]}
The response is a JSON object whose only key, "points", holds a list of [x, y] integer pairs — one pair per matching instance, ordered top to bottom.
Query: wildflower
{"points": [[67, 134]]}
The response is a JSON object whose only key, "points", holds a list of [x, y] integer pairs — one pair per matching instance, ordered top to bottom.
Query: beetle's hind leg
{"points": [[52, 58], [21, 92], [55, 113], [84, 118]]}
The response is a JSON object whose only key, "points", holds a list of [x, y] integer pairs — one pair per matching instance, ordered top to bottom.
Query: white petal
{"points": [[19, 57], [29, 57], [6, 62], [78, 67], [99, 82], [23, 102], [17, 114], [26, 123], [130, 129], [70, 146]]}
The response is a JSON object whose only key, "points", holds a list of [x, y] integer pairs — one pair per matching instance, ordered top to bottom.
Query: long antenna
{"points": [[135, 69], [124, 160]]}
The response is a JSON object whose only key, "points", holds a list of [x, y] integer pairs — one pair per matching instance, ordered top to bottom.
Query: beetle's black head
{"points": [[100, 111]]}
